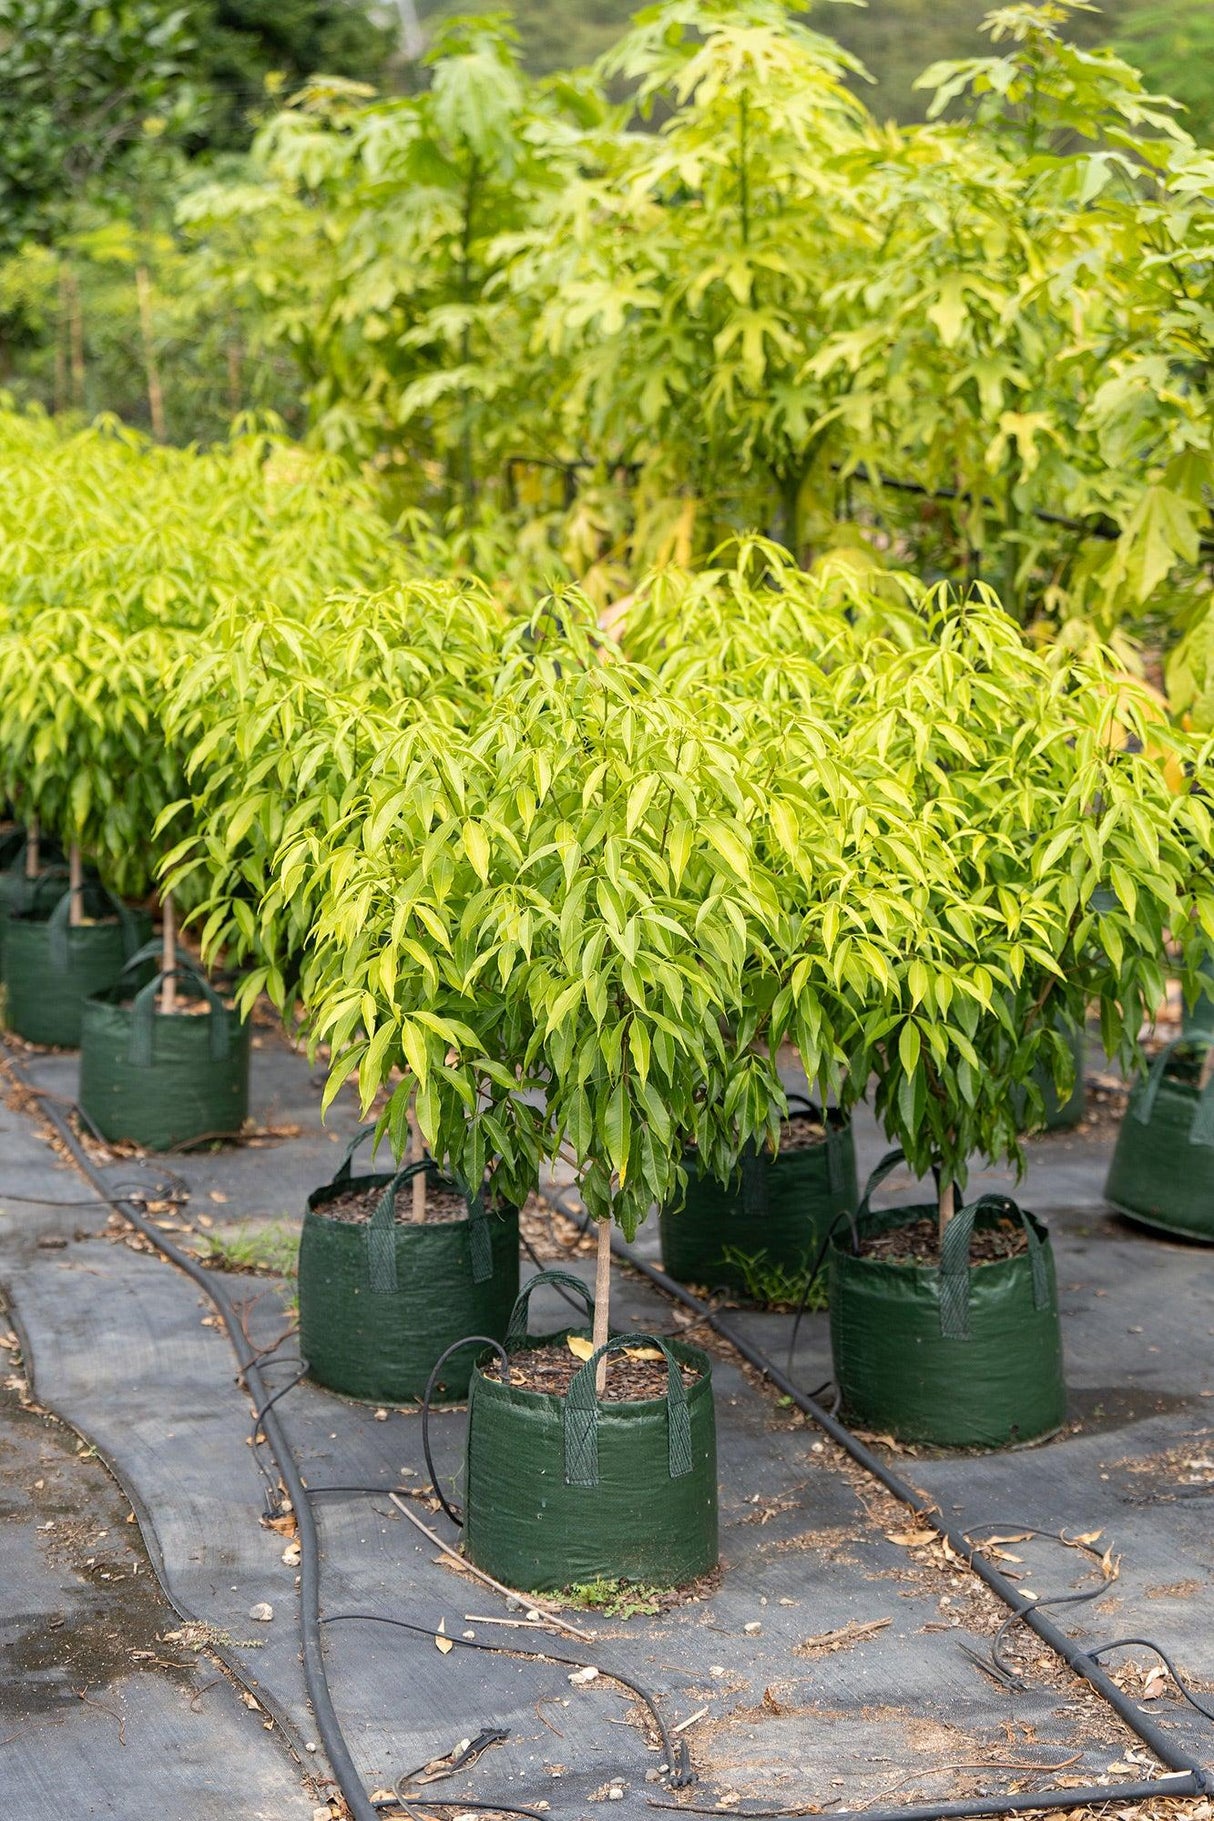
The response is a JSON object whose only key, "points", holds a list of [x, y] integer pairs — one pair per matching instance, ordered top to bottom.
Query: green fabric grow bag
{"points": [[19, 894], [51, 967], [163, 1079], [1162, 1173], [781, 1207], [379, 1303], [958, 1355], [561, 1491]]}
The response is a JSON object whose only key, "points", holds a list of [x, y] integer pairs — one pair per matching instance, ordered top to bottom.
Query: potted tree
{"points": [[295, 723], [79, 731], [79, 745], [1059, 856], [570, 909], [765, 1225]]}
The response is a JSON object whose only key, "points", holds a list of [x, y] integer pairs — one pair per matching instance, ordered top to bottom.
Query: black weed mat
{"points": [[841, 1659]]}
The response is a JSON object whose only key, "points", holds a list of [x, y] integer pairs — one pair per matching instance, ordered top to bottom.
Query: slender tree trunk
{"points": [[143, 286], [75, 324], [61, 341], [234, 359], [33, 857], [75, 886], [168, 954], [417, 1154], [947, 1206], [602, 1302]]}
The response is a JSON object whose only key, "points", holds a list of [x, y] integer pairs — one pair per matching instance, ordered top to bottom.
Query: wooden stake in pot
{"points": [[32, 855], [75, 886], [168, 955], [417, 1154], [947, 1205], [602, 1302]]}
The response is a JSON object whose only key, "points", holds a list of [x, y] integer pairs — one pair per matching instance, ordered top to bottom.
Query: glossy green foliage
{"points": [[591, 338], [411, 347], [115, 559], [284, 715], [576, 903]]}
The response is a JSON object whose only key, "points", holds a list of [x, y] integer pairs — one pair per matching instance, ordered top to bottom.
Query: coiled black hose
{"points": [[1189, 1778]]}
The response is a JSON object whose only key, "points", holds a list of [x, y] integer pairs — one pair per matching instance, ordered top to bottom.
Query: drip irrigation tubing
{"points": [[123, 1196], [316, 1679], [677, 1759], [1188, 1776]]}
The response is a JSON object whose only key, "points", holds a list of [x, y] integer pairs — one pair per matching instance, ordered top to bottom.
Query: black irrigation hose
{"points": [[249, 1359], [316, 1678], [677, 1760], [1190, 1777], [462, 1803]]}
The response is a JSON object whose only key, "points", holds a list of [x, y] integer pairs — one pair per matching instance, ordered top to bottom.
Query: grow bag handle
{"points": [[50, 875], [58, 928], [143, 1014], [1201, 1130], [886, 1167], [342, 1172], [381, 1232], [955, 1262], [516, 1327], [582, 1414], [453, 1511]]}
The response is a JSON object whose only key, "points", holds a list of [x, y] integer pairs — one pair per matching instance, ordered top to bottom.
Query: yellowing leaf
{"points": [[579, 1346], [654, 1353], [441, 1641]]}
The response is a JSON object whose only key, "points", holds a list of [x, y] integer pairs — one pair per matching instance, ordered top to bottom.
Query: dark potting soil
{"points": [[801, 1133], [357, 1206], [919, 1243], [551, 1369]]}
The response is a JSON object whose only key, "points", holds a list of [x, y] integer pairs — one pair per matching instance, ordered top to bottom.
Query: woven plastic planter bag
{"points": [[19, 894], [51, 966], [163, 1079], [1162, 1173], [779, 1208], [380, 1302], [960, 1355], [565, 1490]]}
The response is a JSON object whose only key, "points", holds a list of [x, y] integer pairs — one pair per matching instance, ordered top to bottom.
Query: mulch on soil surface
{"points": [[801, 1133], [356, 1206], [918, 1243], [551, 1370]]}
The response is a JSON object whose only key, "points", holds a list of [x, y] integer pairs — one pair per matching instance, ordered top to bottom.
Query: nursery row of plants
{"points": [[582, 324], [560, 897]]}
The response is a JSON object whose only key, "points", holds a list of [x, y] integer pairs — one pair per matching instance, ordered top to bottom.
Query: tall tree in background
{"points": [[247, 48], [78, 86]]}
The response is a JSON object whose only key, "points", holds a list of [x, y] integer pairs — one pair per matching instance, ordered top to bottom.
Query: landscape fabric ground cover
{"points": [[839, 1658]]}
